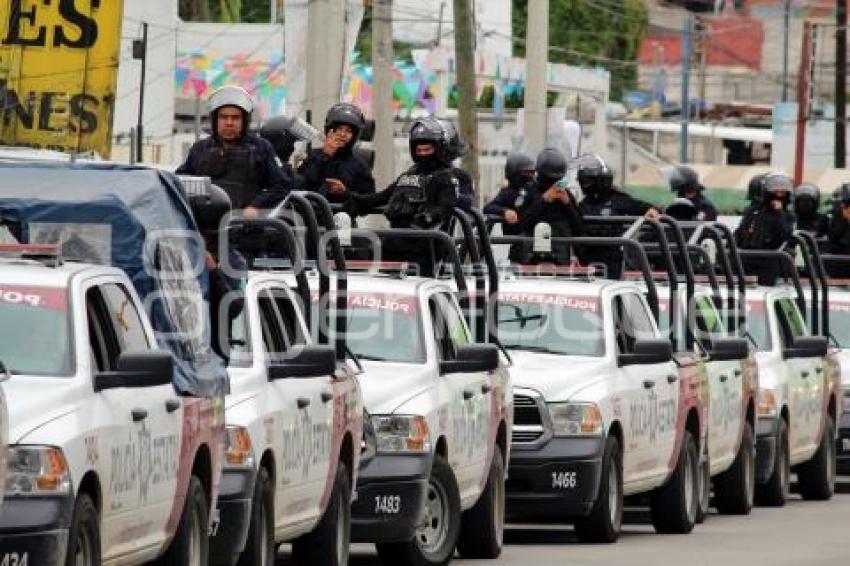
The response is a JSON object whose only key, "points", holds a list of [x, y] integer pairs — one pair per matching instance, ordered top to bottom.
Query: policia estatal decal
{"points": [[58, 71]]}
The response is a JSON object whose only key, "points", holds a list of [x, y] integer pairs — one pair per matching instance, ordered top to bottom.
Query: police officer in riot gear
{"points": [[457, 149], [241, 163], [335, 170], [684, 181], [422, 197], [602, 198], [543, 199], [806, 205], [682, 209], [210, 211], [839, 224], [767, 226]]}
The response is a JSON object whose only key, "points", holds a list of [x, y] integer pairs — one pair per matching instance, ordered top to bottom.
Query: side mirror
{"points": [[807, 347], [729, 349], [655, 351], [472, 358], [304, 361], [144, 368]]}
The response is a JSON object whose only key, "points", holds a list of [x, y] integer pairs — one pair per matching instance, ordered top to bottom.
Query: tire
{"points": [[816, 477], [703, 489], [734, 489], [774, 492], [673, 507], [606, 518], [482, 528], [84, 536], [191, 544], [328, 544], [260, 547], [430, 548]]}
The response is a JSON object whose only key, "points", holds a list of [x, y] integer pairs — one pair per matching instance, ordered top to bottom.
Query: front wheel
{"points": [[817, 476], [734, 489], [774, 492], [673, 507], [605, 519], [483, 527], [436, 537], [84, 538], [191, 544], [327, 544], [260, 548]]}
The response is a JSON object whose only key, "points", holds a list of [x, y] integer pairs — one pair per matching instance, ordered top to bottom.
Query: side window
{"points": [[279, 321], [708, 321], [631, 322], [791, 323], [129, 330], [450, 332], [102, 342]]}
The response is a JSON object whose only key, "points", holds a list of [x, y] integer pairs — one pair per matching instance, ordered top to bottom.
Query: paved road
{"points": [[802, 533]]}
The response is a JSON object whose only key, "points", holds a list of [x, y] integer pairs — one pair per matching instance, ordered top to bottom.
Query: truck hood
{"points": [[557, 378], [387, 386], [243, 387], [34, 402]]}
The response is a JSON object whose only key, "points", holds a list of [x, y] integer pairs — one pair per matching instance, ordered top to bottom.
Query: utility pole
{"points": [[786, 31], [325, 51], [140, 52], [703, 56], [536, 57], [465, 78], [686, 79], [840, 83], [382, 101], [803, 102]]}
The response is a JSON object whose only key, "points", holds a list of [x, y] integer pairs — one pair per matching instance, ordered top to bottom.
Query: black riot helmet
{"points": [[345, 113], [284, 131], [430, 131], [457, 147], [551, 166], [519, 168], [594, 176], [683, 179], [778, 186], [755, 188], [841, 196], [806, 199], [209, 208], [682, 209]]}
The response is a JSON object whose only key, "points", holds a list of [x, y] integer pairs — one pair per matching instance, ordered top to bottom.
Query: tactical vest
{"points": [[234, 170], [408, 197]]}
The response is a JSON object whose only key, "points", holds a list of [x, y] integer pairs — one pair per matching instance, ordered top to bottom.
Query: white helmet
{"points": [[231, 96]]}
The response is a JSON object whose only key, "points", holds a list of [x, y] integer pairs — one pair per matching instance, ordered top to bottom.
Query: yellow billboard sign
{"points": [[58, 73]]}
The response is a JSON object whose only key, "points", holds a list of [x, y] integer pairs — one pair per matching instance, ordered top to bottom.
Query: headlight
{"points": [[846, 398], [767, 403], [576, 419], [401, 433], [369, 443], [238, 453], [37, 470]]}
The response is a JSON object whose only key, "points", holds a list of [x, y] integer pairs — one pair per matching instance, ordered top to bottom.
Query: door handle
{"points": [[818, 370], [738, 372], [804, 374], [672, 378], [723, 378], [648, 384], [486, 388], [467, 394], [327, 396], [302, 402], [172, 405], [139, 414]]}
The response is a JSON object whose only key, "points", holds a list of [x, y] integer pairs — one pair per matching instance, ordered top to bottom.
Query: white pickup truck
{"points": [[839, 327], [797, 402], [601, 410], [4, 439], [107, 463]]}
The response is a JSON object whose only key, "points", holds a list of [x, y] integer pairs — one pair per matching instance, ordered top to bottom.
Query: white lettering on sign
{"points": [[379, 302], [577, 303], [564, 480], [387, 504], [15, 559]]}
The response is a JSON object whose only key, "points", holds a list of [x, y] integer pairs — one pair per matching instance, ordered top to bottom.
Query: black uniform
{"points": [[344, 165], [248, 172], [527, 201], [609, 203], [705, 208], [817, 224], [762, 228]]}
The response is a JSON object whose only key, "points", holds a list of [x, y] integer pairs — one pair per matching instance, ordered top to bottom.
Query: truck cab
{"points": [[839, 326], [4, 437], [107, 461]]}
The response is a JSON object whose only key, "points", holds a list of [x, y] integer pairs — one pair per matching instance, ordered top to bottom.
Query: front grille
{"points": [[528, 422]]}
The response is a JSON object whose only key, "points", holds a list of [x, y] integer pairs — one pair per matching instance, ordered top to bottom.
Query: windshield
{"points": [[839, 323], [757, 325], [570, 326], [386, 328], [34, 338]]}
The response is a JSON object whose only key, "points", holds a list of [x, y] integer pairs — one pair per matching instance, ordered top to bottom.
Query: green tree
{"points": [[603, 33]]}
